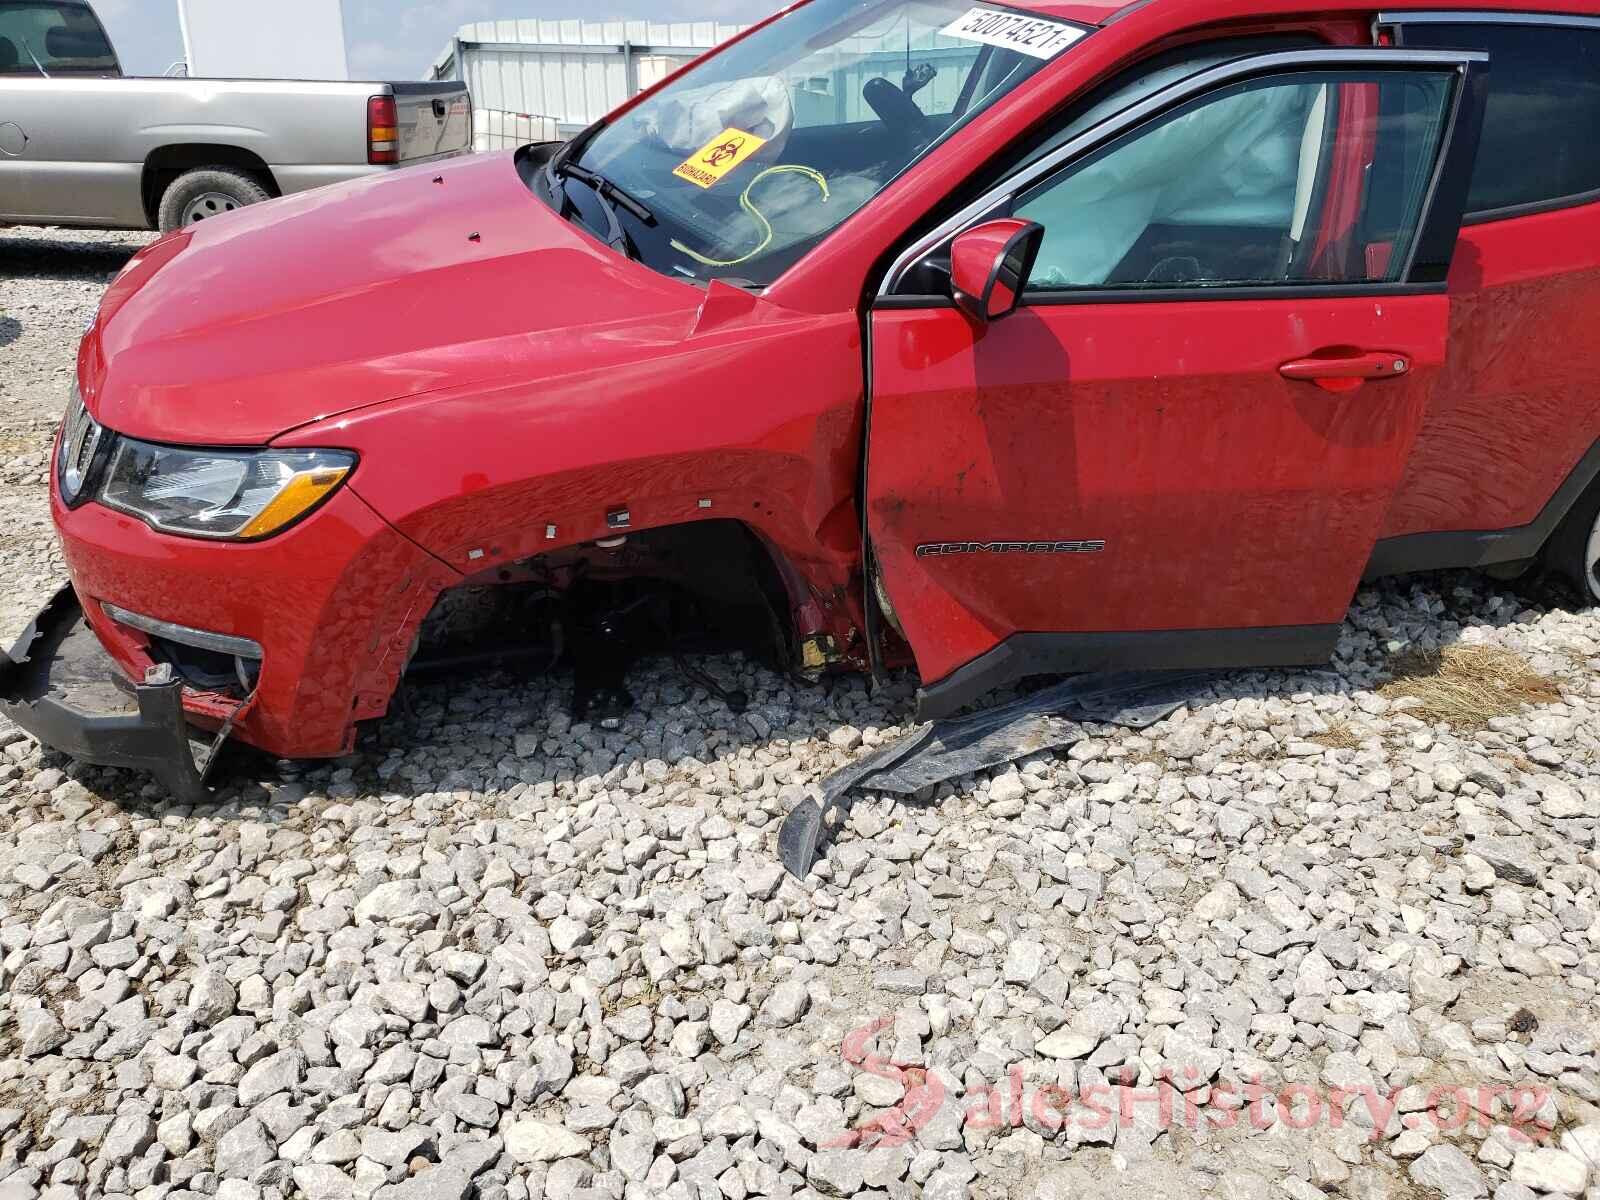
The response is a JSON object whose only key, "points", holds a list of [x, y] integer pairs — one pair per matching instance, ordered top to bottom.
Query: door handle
{"points": [[1345, 371]]}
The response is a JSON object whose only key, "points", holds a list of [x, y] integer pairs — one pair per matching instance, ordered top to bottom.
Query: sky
{"points": [[399, 39]]}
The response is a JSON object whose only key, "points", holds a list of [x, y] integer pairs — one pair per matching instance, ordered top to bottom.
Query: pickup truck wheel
{"points": [[207, 192]]}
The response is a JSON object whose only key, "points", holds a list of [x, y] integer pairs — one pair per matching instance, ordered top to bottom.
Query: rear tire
{"points": [[207, 192], [1574, 550]]}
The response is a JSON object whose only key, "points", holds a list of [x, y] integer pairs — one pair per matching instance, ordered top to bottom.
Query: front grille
{"points": [[80, 440], [85, 441]]}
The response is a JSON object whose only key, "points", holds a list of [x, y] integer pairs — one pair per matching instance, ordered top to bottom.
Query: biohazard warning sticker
{"points": [[1013, 31], [718, 156]]}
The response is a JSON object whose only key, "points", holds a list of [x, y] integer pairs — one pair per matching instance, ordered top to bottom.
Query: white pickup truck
{"points": [[81, 145]]}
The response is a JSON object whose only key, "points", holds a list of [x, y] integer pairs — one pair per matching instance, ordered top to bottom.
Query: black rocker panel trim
{"points": [[1483, 547], [1025, 654]]}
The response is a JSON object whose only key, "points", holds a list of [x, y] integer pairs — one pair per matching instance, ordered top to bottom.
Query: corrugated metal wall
{"points": [[569, 73]]}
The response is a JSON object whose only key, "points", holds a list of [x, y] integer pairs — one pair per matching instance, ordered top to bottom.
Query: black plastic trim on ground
{"points": [[155, 739]]}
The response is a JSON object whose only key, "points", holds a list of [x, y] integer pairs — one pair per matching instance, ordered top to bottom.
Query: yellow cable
{"points": [[749, 206]]}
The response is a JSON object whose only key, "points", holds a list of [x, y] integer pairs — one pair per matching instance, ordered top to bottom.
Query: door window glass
{"points": [[52, 39], [1162, 71], [1540, 125], [1307, 178]]}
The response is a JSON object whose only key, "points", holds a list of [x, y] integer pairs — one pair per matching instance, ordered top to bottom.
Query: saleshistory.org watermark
{"points": [[1172, 1100]]}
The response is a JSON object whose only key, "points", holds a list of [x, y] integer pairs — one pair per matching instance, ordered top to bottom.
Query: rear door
{"points": [[1517, 408], [1179, 450]]}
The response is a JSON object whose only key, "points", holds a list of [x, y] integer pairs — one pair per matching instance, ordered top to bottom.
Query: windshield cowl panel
{"points": [[748, 160]]}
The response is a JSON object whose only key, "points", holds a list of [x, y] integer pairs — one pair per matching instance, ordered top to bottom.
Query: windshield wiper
{"points": [[603, 188], [611, 197], [614, 234]]}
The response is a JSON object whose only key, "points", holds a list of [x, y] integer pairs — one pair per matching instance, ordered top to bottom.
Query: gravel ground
{"points": [[50, 282], [496, 954]]}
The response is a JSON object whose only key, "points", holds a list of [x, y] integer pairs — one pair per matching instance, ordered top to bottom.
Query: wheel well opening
{"points": [[167, 163], [707, 587]]}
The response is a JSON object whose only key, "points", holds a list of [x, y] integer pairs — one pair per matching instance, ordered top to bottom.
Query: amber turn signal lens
{"points": [[302, 493]]}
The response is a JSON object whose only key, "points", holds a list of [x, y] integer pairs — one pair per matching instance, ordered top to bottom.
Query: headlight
{"points": [[80, 438], [220, 493]]}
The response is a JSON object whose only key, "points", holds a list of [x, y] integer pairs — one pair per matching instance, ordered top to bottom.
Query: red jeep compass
{"points": [[1001, 339]]}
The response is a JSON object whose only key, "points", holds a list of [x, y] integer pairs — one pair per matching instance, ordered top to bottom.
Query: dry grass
{"points": [[14, 442], [1464, 686], [1337, 736], [1148, 754]]}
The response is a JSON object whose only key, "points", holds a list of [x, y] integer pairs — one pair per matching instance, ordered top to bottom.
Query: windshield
{"points": [[748, 160]]}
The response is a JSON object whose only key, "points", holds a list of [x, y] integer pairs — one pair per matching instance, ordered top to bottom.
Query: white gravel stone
{"points": [[1007, 787], [1561, 801], [567, 934], [1024, 960], [212, 998], [787, 1004], [727, 1019], [39, 1032], [1067, 1043], [276, 1073], [879, 1091], [531, 1141], [1584, 1142], [396, 1148], [242, 1150], [1545, 1169], [1446, 1170], [837, 1172], [319, 1182], [442, 1182]]}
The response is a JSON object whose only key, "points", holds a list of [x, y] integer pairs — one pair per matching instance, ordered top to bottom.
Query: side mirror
{"points": [[990, 265]]}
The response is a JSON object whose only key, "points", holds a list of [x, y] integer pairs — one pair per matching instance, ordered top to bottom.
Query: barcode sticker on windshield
{"points": [[1013, 31]]}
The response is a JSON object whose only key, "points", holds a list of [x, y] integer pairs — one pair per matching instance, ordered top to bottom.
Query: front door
{"points": [[1179, 450]]}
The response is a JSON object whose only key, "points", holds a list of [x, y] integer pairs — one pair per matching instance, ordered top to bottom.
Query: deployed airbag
{"points": [[684, 122], [1234, 161]]}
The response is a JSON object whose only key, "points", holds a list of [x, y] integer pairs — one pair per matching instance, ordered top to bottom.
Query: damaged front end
{"points": [[709, 587], [59, 684]]}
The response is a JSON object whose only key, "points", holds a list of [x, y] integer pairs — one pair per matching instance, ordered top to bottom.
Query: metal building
{"points": [[288, 39], [541, 80]]}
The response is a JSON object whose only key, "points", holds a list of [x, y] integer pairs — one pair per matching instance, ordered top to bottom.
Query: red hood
{"points": [[234, 331]]}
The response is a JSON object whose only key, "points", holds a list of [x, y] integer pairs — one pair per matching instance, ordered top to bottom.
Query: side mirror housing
{"points": [[990, 265]]}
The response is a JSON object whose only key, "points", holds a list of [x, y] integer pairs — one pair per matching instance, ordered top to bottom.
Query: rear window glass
{"points": [[52, 39], [1539, 134]]}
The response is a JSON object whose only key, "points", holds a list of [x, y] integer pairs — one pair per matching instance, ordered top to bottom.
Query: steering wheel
{"points": [[894, 108]]}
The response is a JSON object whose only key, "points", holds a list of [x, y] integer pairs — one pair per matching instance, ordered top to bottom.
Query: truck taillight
{"points": [[383, 130]]}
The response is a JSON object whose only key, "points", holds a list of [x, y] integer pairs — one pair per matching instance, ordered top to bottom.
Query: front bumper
{"points": [[333, 602], [59, 684]]}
